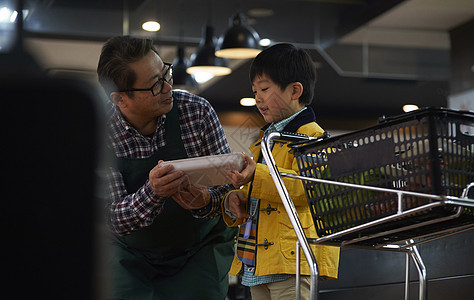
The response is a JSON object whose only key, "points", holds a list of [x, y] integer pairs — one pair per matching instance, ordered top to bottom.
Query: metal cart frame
{"points": [[408, 246]]}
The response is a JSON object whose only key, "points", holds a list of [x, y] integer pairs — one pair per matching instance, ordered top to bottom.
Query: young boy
{"points": [[283, 79]]}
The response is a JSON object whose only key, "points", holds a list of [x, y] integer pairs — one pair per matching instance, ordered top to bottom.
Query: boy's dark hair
{"points": [[117, 53], [284, 63]]}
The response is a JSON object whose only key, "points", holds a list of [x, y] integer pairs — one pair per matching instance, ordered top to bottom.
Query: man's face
{"points": [[143, 104]]}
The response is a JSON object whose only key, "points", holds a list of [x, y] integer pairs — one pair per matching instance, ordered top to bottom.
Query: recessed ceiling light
{"points": [[260, 12], [5, 14], [9, 16], [13, 16], [151, 26], [265, 42], [247, 101], [409, 107]]}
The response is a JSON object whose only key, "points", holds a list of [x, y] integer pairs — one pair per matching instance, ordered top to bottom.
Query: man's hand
{"points": [[240, 178], [164, 183], [191, 197], [237, 204]]}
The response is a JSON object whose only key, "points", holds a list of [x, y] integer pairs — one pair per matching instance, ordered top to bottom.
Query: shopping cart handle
{"points": [[296, 138], [468, 192]]}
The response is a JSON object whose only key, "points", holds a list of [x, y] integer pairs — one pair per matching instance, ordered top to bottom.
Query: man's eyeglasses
{"points": [[157, 87]]}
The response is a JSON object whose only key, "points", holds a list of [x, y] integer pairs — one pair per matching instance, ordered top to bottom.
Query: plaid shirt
{"points": [[202, 135]]}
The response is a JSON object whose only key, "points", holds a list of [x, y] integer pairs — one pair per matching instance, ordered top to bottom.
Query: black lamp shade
{"points": [[239, 41], [205, 60], [181, 78]]}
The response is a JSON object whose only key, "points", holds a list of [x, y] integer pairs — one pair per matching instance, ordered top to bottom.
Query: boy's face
{"points": [[274, 103]]}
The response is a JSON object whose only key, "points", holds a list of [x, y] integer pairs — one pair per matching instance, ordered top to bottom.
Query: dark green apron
{"points": [[178, 256]]}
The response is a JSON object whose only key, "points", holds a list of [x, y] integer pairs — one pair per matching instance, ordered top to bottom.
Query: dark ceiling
{"points": [[294, 21], [352, 86]]}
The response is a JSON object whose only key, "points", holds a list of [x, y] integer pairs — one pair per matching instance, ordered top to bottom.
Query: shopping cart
{"points": [[406, 181]]}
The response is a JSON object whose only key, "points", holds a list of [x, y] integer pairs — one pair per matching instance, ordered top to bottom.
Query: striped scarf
{"points": [[247, 238], [246, 244]]}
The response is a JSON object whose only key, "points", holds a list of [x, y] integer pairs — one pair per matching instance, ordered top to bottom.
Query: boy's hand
{"points": [[240, 178], [237, 204]]}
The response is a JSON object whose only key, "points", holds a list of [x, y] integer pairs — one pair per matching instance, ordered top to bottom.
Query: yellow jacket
{"points": [[275, 226]]}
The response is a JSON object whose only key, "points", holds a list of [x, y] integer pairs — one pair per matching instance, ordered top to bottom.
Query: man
{"points": [[169, 239]]}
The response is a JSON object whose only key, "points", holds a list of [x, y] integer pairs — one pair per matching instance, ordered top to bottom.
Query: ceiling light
{"points": [[260, 12], [5, 14], [9, 16], [13, 16], [151, 26], [240, 41], [265, 42], [205, 60], [202, 77], [181, 78], [247, 102], [409, 107]]}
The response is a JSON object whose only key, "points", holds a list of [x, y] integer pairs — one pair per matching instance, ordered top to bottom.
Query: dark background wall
{"points": [[462, 58]]}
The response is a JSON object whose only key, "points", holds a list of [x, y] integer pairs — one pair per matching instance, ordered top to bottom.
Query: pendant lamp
{"points": [[240, 41], [205, 60], [181, 78]]}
